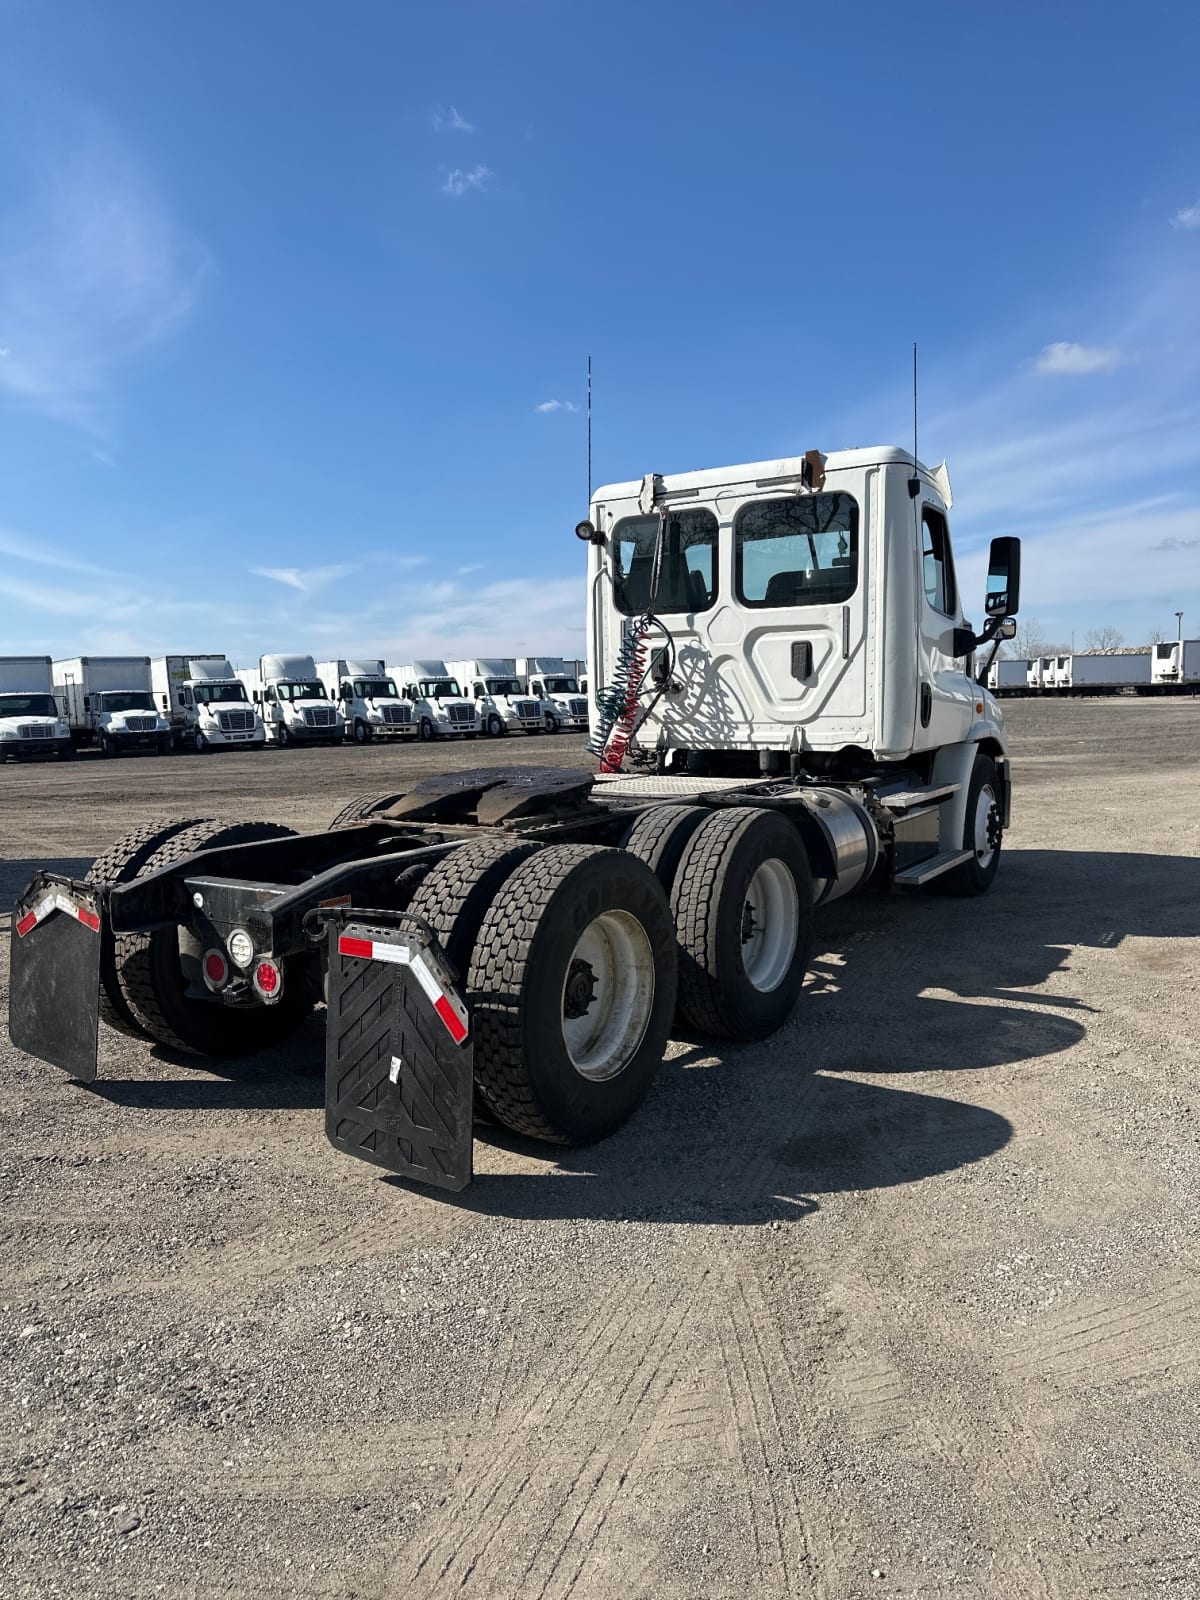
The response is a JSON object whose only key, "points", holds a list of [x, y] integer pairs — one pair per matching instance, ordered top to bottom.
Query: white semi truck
{"points": [[1175, 665], [788, 672], [501, 700], [108, 701], [292, 701], [205, 703], [564, 704], [371, 705], [441, 709], [31, 723]]}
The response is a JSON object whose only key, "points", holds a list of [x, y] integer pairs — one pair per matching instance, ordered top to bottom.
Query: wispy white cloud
{"points": [[451, 120], [461, 179], [1188, 217], [93, 272], [1064, 359], [556, 405], [41, 553], [305, 579]]}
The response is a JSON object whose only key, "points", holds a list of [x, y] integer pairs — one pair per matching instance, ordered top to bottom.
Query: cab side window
{"points": [[937, 563]]}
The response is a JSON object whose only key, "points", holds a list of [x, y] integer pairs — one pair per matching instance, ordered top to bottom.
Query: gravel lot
{"points": [[902, 1303]]}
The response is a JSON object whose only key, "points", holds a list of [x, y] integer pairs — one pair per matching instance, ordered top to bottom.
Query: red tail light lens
{"points": [[216, 969], [268, 979]]}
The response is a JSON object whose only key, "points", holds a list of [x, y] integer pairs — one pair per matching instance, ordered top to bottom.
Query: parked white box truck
{"points": [[1175, 664], [1103, 674], [547, 677], [1008, 677], [107, 700], [292, 700], [501, 701], [371, 705], [441, 709], [30, 720]]}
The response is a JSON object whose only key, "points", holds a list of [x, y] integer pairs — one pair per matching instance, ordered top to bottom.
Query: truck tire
{"points": [[551, 722], [495, 726], [426, 733], [362, 734], [283, 738], [200, 744], [107, 748], [360, 807], [982, 834], [659, 838], [120, 863], [455, 896], [742, 902], [152, 981], [572, 989]]}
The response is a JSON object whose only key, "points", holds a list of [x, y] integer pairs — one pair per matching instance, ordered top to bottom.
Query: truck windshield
{"points": [[502, 686], [561, 686], [375, 689], [440, 689], [300, 691], [204, 694], [126, 700], [27, 705]]}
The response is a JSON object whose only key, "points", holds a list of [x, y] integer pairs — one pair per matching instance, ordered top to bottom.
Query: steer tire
{"points": [[359, 808], [659, 838], [121, 863], [973, 878], [455, 896], [709, 900], [523, 956], [153, 984]]}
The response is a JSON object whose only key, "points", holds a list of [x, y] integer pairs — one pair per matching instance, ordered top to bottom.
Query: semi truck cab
{"points": [[501, 700], [294, 704], [371, 705], [440, 708]]}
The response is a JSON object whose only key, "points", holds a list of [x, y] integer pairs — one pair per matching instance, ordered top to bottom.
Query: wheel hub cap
{"points": [[770, 925], [607, 995]]}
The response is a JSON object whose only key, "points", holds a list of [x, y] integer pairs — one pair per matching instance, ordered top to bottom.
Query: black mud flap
{"points": [[54, 981], [399, 1057]]}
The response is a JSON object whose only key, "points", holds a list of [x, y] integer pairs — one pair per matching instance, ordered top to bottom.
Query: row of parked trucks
{"points": [[1167, 668], [202, 702]]}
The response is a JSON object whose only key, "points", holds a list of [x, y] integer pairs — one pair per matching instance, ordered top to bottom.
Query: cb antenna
{"points": [[589, 429], [914, 483]]}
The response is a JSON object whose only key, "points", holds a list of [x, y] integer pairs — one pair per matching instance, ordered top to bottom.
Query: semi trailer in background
{"points": [[1175, 664], [1107, 673], [1006, 677], [368, 699], [108, 701], [292, 701], [502, 702], [564, 705], [440, 708], [31, 723], [523, 939]]}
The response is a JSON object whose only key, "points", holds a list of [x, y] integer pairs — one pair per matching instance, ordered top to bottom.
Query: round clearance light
{"points": [[585, 530], [241, 947], [216, 969], [268, 980]]}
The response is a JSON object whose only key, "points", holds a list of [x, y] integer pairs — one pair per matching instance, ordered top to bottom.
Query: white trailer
{"points": [[1175, 664], [1040, 673], [1106, 673], [1008, 677], [549, 678], [368, 699], [292, 700], [108, 701], [503, 704], [441, 709], [31, 723]]}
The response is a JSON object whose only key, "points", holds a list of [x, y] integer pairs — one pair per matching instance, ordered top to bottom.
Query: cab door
{"points": [[946, 695]]}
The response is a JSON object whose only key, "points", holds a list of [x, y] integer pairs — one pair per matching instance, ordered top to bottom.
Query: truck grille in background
{"points": [[578, 707], [529, 710], [461, 713], [400, 714], [319, 716], [235, 721], [139, 724], [34, 733]]}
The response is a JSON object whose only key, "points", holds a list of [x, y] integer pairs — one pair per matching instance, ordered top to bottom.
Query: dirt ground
{"points": [[905, 1302]]}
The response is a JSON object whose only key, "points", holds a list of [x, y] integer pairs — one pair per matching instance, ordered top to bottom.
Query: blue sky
{"points": [[296, 299]]}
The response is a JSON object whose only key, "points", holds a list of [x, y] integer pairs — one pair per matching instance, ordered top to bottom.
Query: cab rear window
{"points": [[801, 550]]}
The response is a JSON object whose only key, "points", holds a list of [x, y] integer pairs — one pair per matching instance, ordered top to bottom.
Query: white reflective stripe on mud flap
{"points": [[57, 901]]}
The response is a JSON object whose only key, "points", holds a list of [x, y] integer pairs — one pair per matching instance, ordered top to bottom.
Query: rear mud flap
{"points": [[54, 982], [399, 1058]]}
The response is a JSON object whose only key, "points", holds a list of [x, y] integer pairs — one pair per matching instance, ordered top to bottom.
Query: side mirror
{"points": [[1003, 597], [1008, 628], [87, 702]]}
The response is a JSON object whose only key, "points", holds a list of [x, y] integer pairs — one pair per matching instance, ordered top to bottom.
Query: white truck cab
{"points": [[550, 679], [367, 697], [292, 700], [108, 701], [205, 702], [502, 702], [440, 708], [30, 721]]}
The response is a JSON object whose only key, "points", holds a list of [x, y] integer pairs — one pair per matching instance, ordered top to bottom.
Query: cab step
{"points": [[909, 799], [925, 871]]}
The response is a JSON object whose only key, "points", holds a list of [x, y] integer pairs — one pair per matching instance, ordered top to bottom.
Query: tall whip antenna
{"points": [[589, 404], [915, 456]]}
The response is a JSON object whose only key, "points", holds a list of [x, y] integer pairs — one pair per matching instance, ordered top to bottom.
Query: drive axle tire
{"points": [[360, 807], [982, 834], [659, 838], [121, 863], [455, 896], [742, 902], [152, 980], [572, 990]]}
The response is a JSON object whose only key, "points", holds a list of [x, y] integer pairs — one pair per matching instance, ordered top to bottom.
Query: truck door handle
{"points": [[802, 659]]}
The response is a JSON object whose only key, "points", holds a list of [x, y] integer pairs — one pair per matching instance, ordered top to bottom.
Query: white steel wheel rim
{"points": [[985, 805], [770, 925], [607, 995]]}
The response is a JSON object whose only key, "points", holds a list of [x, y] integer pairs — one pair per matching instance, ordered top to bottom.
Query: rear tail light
{"points": [[216, 969], [268, 980]]}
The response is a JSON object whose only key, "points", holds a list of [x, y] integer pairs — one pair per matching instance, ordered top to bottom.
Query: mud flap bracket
{"points": [[399, 1054]]}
